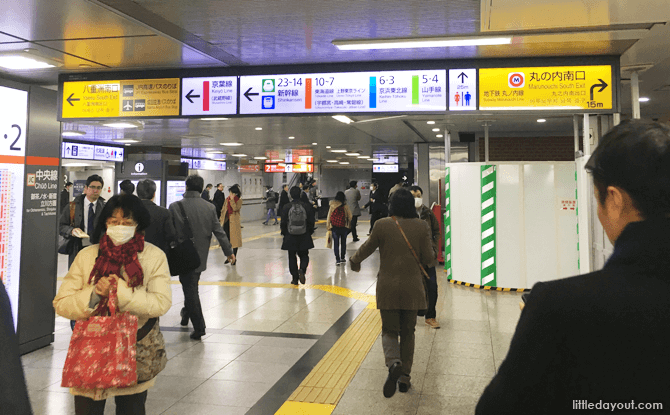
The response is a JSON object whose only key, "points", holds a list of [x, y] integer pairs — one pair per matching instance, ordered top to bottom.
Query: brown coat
{"points": [[334, 204], [235, 221], [399, 280]]}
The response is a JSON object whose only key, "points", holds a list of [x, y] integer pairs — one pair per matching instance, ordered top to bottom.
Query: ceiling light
{"points": [[422, 42], [22, 61], [644, 99], [343, 118], [213, 119], [541, 120], [430, 122], [121, 125], [259, 128], [436, 129], [72, 133], [439, 135], [291, 138], [126, 141], [231, 144], [314, 144], [128, 145], [327, 146], [338, 151], [215, 152], [353, 154], [238, 155], [363, 157], [260, 158], [331, 161], [344, 162]]}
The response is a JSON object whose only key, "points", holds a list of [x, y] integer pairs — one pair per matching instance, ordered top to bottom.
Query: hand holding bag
{"points": [[329, 239], [183, 257], [418, 261], [102, 350]]}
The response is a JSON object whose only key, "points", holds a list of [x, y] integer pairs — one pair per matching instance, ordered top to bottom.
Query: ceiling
{"points": [[109, 35]]}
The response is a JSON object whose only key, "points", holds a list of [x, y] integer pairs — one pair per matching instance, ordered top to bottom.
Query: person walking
{"points": [[399, 185], [126, 187], [205, 193], [65, 196], [353, 196], [271, 198], [219, 199], [283, 199], [376, 204], [86, 208], [427, 215], [202, 220], [231, 220], [338, 223], [297, 227], [160, 231], [405, 247], [142, 277]]}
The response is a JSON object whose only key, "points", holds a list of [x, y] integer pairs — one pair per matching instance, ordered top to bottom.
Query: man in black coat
{"points": [[205, 193], [65, 196], [219, 199], [283, 199], [377, 205], [161, 230], [297, 244], [601, 338]]}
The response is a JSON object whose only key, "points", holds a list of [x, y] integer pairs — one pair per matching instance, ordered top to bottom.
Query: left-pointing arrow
{"points": [[190, 95], [70, 99]]}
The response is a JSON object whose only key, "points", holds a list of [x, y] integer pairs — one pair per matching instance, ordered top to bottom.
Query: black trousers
{"points": [[374, 217], [354, 222], [226, 229], [293, 262], [432, 292], [192, 308], [125, 405]]}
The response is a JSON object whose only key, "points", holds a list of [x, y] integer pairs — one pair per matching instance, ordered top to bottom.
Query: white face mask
{"points": [[418, 202], [120, 234]]}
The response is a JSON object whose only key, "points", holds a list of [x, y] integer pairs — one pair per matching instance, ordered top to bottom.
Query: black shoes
{"points": [[356, 240], [301, 276], [294, 282], [184, 317], [196, 335], [395, 371], [404, 386]]}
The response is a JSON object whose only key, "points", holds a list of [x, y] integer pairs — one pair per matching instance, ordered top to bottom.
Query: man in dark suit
{"points": [[205, 193], [65, 196], [219, 199], [87, 208], [161, 229], [600, 338]]}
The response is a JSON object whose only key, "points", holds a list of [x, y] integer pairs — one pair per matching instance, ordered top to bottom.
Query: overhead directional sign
{"points": [[546, 88], [462, 89], [399, 91], [209, 96], [121, 99]]}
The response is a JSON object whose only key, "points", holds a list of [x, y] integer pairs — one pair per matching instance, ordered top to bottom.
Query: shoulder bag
{"points": [[66, 246], [183, 257], [418, 262], [151, 354]]}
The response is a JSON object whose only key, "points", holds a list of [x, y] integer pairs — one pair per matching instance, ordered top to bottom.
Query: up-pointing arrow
{"points": [[462, 76]]}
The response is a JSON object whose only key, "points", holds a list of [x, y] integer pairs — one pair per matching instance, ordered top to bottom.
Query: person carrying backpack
{"points": [[339, 222], [297, 227]]}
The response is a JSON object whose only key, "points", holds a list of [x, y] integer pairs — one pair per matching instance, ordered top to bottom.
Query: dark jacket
{"points": [[205, 195], [271, 198], [304, 198], [64, 199], [218, 200], [283, 201], [377, 202], [428, 215], [203, 221], [64, 224], [161, 229], [297, 242], [598, 336], [14, 397]]}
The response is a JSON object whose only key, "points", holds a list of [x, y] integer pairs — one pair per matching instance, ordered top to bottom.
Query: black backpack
{"points": [[297, 219]]}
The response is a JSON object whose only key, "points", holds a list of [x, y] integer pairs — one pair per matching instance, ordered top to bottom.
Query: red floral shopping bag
{"points": [[102, 351]]}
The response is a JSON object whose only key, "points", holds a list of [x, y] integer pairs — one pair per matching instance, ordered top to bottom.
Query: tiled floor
{"points": [[228, 372]]}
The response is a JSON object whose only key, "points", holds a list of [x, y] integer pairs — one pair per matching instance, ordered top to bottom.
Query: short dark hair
{"points": [[635, 156], [94, 178], [194, 183], [353, 183], [68, 184], [218, 184], [284, 185], [209, 186], [127, 187], [416, 188], [146, 189], [235, 189], [295, 193], [340, 197], [402, 204], [132, 208]]}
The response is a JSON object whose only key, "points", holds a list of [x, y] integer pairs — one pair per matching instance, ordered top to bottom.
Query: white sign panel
{"points": [[462, 89], [346, 92], [209, 96], [13, 120], [78, 151], [109, 154], [385, 168], [175, 191]]}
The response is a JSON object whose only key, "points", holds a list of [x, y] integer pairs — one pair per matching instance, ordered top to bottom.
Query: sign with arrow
{"points": [[462, 89], [209, 96]]}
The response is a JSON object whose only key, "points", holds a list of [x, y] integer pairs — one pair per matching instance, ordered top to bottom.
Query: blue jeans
{"points": [[271, 213], [340, 243]]}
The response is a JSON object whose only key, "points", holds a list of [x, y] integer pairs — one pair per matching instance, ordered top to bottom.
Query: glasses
{"points": [[95, 187]]}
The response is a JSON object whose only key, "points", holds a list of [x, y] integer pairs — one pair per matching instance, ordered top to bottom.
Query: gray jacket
{"points": [[353, 196], [202, 218]]}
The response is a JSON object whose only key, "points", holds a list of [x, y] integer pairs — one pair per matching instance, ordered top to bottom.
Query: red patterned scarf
{"points": [[112, 258]]}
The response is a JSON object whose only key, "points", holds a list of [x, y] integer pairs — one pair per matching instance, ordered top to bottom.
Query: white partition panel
{"points": [[465, 185], [566, 186], [510, 233]]}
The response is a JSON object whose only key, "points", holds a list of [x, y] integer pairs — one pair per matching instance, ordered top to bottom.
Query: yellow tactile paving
{"points": [[330, 377], [304, 408]]}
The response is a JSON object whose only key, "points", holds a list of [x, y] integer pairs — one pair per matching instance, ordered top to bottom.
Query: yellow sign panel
{"points": [[546, 88], [121, 99]]}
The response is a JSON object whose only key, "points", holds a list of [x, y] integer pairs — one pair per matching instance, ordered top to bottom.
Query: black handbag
{"points": [[183, 257]]}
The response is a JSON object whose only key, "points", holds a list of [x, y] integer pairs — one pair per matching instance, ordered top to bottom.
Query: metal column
{"points": [[635, 94], [575, 122], [486, 142], [583, 208]]}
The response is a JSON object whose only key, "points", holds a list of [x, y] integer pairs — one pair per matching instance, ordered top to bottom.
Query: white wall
{"points": [[108, 174], [337, 179], [250, 183]]}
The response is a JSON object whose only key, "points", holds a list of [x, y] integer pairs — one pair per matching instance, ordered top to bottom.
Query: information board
{"points": [[546, 88], [462, 89], [397, 91], [209, 96], [128, 98], [13, 124], [78, 151], [105, 153], [200, 164], [289, 168], [385, 168], [175, 191]]}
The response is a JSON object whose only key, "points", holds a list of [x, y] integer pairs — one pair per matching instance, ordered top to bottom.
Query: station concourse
{"points": [[491, 108]]}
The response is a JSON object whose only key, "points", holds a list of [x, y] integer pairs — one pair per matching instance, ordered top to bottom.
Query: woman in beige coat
{"points": [[231, 218], [338, 223], [142, 276], [400, 286]]}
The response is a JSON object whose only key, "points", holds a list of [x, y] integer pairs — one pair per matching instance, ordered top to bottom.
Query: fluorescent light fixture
{"points": [[420, 42], [21, 61], [644, 99], [343, 118], [213, 119], [541, 120], [430, 122], [120, 125], [259, 128], [436, 129], [72, 133], [439, 135], [291, 138], [126, 141], [231, 144], [314, 144], [128, 145], [327, 146], [338, 151], [215, 152], [353, 154], [238, 155], [363, 157], [260, 158], [331, 161], [344, 162]]}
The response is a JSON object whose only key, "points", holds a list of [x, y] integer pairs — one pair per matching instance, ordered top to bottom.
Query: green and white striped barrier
{"points": [[488, 187], [447, 225]]}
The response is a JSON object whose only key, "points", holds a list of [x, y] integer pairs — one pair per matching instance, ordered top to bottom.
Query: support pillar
{"points": [[635, 94], [486, 142]]}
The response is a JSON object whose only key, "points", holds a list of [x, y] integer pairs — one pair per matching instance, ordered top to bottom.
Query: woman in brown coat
{"points": [[231, 219], [400, 288]]}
